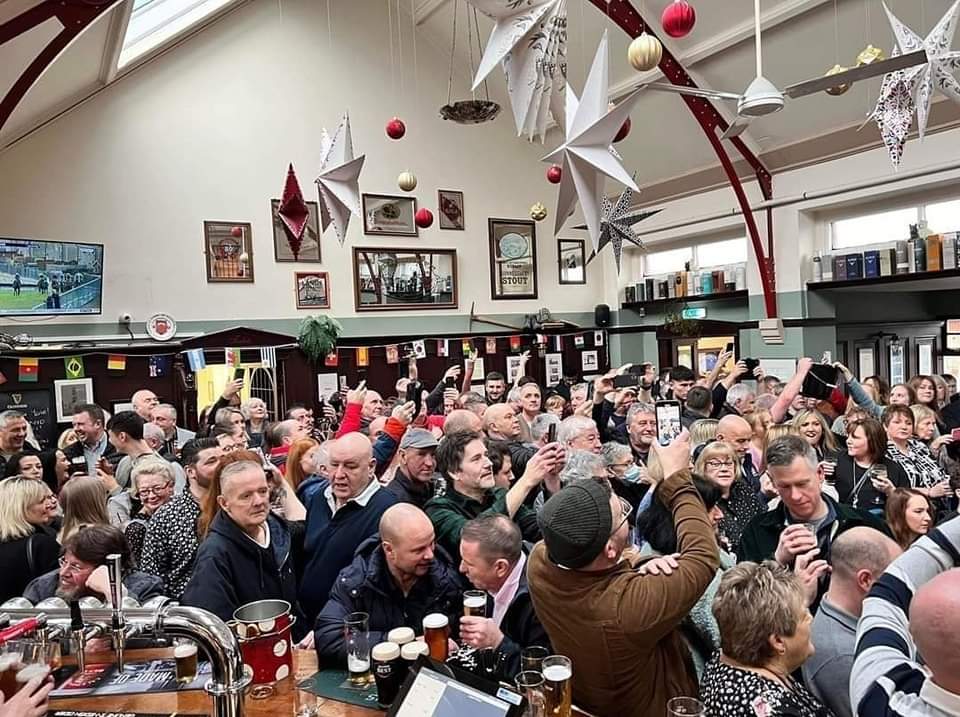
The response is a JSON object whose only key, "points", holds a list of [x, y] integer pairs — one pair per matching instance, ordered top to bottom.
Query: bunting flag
{"points": [[598, 338], [541, 340], [579, 341], [514, 343], [558, 343], [466, 345], [491, 345], [443, 347], [420, 348], [393, 353], [363, 356], [233, 357], [268, 357], [196, 359], [332, 359], [116, 362], [74, 366], [159, 366], [29, 370], [3, 379]]}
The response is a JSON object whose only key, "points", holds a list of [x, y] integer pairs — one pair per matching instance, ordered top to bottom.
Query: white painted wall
{"points": [[206, 132]]}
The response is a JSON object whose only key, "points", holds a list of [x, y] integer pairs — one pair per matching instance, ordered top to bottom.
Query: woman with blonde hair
{"points": [[556, 404], [254, 410], [759, 421], [814, 430], [703, 431], [719, 464], [151, 484], [84, 502], [28, 549]]}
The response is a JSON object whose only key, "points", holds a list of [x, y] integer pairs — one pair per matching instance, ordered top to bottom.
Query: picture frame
{"points": [[450, 212], [389, 215], [309, 244], [229, 258], [513, 259], [572, 261], [390, 279], [312, 289], [70, 393], [121, 406]]}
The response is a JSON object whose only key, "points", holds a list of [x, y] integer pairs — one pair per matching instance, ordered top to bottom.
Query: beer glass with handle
{"points": [[356, 637], [558, 687]]}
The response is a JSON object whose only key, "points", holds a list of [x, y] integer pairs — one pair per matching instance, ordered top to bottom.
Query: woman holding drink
{"points": [[864, 476]]}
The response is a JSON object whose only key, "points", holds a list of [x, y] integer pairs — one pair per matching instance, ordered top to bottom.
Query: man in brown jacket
{"points": [[618, 625]]}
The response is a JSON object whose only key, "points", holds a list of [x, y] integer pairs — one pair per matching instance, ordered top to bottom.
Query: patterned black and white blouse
{"points": [[918, 463], [738, 510], [170, 543], [731, 692]]}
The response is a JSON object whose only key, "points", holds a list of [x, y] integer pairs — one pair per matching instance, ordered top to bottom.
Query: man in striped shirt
{"points": [[887, 677]]}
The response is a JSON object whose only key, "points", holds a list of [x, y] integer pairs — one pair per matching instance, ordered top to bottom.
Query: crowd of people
{"points": [[791, 552]]}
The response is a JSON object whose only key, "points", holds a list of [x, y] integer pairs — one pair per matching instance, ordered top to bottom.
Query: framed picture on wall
{"points": [[450, 204], [389, 215], [228, 247], [309, 250], [572, 257], [513, 259], [387, 279], [313, 289], [926, 351], [866, 362], [70, 393], [121, 406]]}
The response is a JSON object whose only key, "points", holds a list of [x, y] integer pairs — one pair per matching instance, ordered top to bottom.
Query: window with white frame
{"points": [[154, 22], [893, 225], [699, 256]]}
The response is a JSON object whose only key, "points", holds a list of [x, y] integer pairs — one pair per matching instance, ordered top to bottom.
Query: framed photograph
{"points": [[450, 204], [389, 216], [309, 244], [228, 247], [572, 256], [513, 259], [389, 279], [313, 289], [590, 361], [866, 362], [513, 368], [70, 393], [121, 406]]}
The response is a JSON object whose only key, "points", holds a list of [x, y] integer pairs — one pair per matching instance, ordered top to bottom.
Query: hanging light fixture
{"points": [[472, 111]]}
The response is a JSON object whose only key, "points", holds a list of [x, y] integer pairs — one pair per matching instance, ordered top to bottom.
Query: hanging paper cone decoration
{"points": [[678, 18], [644, 52], [396, 128], [554, 173], [293, 212], [423, 218]]}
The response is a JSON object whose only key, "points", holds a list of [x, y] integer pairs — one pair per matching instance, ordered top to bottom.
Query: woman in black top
{"points": [[858, 475], [28, 548]]}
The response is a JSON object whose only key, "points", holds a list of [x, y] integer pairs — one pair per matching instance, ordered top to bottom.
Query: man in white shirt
{"points": [[492, 558]]}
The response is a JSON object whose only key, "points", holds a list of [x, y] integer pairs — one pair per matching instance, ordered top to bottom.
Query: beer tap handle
{"points": [[115, 574], [79, 634]]}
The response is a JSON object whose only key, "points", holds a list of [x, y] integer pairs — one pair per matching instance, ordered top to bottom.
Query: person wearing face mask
{"points": [[627, 479], [737, 502]]}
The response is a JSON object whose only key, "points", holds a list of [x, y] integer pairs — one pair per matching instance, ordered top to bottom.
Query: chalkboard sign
{"points": [[37, 406]]}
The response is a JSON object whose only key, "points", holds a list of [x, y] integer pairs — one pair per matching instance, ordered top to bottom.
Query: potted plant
{"points": [[318, 336]]}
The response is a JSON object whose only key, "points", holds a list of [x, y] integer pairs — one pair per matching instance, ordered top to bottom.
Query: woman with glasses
{"points": [[864, 476], [152, 485], [738, 503], [28, 548]]}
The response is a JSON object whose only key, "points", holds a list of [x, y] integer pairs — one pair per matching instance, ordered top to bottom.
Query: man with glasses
{"points": [[618, 625]]}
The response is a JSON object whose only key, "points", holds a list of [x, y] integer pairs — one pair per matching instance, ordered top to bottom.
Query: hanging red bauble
{"points": [[678, 18], [396, 128], [624, 131], [554, 174], [423, 218], [236, 232]]}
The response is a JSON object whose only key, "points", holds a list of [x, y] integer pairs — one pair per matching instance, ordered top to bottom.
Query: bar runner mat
{"points": [[136, 678], [335, 685], [87, 713]]}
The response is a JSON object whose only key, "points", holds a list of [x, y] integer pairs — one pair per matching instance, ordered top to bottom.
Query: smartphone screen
{"points": [[729, 348], [238, 374], [450, 382], [413, 394], [668, 421], [552, 433]]}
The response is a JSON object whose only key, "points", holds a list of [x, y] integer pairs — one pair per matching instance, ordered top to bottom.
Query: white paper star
{"points": [[530, 40], [937, 73], [894, 113], [586, 152], [339, 179], [616, 226]]}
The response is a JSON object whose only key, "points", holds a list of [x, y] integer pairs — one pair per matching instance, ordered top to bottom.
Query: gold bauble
{"points": [[644, 52], [869, 55], [839, 89], [407, 181], [538, 212]]}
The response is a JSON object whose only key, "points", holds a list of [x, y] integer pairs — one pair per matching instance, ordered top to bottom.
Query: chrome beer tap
{"points": [[117, 622], [79, 634]]}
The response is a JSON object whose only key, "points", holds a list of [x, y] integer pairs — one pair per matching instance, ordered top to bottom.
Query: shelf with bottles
{"points": [[725, 283]]}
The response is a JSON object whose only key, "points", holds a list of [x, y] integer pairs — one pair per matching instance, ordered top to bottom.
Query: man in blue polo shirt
{"points": [[344, 512]]}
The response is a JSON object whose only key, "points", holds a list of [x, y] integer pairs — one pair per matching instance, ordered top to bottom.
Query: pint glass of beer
{"points": [[474, 603], [436, 632], [356, 637], [11, 660], [185, 660], [557, 686]]}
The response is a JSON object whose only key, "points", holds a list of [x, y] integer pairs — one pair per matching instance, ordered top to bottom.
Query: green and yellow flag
{"points": [[74, 366]]}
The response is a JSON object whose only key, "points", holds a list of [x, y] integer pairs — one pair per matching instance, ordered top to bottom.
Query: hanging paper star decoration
{"points": [[530, 41], [937, 73], [894, 113], [586, 154], [339, 179], [293, 212], [616, 226]]}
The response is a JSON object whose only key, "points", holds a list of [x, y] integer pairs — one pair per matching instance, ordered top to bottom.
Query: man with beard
{"points": [[495, 386], [92, 443], [415, 478], [83, 571], [397, 578]]}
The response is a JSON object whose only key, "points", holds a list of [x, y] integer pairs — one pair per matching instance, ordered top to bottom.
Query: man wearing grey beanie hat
{"points": [[618, 625]]}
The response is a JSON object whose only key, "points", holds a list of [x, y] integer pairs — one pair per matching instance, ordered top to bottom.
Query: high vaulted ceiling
{"points": [[801, 40]]}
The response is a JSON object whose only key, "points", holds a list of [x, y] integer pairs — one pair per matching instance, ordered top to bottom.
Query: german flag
{"points": [[116, 362], [29, 370]]}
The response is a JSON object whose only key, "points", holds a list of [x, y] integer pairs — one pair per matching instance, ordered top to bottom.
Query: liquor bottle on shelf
{"points": [[919, 249], [949, 250], [934, 252], [912, 256], [903, 257], [888, 262], [827, 263], [871, 264], [854, 266], [817, 267], [839, 267], [696, 283], [706, 283], [719, 285], [652, 286]]}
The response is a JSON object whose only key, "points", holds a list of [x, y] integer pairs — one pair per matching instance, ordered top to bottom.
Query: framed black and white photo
{"points": [[450, 204], [389, 215], [309, 249], [572, 256], [513, 259], [386, 279], [313, 289], [590, 361], [70, 393]]}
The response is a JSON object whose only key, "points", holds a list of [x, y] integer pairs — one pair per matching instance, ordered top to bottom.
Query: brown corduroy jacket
{"points": [[619, 627]]}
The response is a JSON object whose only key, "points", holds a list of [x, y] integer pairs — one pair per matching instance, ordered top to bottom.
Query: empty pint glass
{"points": [[475, 603], [436, 632], [356, 637], [530, 685], [557, 686]]}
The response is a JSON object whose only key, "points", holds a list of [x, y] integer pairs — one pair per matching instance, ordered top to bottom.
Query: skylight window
{"points": [[154, 22]]}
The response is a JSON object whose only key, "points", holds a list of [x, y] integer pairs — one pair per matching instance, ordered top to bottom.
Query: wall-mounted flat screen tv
{"points": [[39, 277]]}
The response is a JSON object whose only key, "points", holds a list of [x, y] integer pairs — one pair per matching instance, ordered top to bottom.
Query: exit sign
{"points": [[694, 313]]}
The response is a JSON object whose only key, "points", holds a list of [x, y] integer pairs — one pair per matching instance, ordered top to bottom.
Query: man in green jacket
{"points": [[462, 460], [806, 521]]}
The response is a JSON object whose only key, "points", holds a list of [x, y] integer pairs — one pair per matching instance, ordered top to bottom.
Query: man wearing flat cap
{"points": [[416, 480], [618, 624]]}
